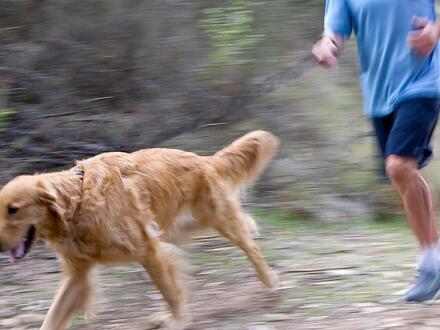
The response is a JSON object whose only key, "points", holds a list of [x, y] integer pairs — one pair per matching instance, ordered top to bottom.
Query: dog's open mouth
{"points": [[20, 251]]}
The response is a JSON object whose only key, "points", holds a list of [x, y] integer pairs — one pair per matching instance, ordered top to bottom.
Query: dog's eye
{"points": [[12, 210]]}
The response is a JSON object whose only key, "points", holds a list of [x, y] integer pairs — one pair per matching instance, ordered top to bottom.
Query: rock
{"points": [[341, 272], [392, 274], [373, 310], [277, 317], [31, 318], [10, 323], [259, 327]]}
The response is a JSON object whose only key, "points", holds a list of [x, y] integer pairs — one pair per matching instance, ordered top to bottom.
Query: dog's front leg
{"points": [[163, 270], [70, 298]]}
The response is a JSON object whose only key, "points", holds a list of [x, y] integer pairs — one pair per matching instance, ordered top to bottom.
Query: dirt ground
{"points": [[349, 275]]}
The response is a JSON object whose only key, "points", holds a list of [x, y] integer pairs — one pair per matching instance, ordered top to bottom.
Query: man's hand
{"points": [[424, 40], [327, 50]]}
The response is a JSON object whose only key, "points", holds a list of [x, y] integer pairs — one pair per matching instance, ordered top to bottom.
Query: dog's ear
{"points": [[57, 202]]}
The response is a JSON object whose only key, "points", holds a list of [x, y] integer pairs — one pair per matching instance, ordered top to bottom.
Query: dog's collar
{"points": [[79, 172]]}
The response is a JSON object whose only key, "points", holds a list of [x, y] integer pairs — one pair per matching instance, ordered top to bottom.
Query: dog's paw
{"points": [[273, 281], [157, 322], [167, 322], [180, 324]]}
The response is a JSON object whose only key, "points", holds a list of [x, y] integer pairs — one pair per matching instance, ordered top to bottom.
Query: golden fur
{"points": [[107, 215]]}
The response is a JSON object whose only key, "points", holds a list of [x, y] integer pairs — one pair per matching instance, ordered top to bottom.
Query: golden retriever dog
{"points": [[102, 212]]}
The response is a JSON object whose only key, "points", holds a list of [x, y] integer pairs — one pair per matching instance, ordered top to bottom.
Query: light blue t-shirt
{"points": [[390, 72]]}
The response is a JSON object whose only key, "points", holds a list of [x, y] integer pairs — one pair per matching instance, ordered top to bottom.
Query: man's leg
{"points": [[416, 197], [417, 201]]}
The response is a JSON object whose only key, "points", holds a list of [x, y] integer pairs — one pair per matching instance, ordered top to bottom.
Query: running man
{"points": [[400, 74]]}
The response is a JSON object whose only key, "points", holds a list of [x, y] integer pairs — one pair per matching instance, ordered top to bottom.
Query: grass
{"points": [[5, 118], [279, 219]]}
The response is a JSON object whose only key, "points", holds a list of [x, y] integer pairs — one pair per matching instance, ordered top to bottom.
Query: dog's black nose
{"points": [[1, 248]]}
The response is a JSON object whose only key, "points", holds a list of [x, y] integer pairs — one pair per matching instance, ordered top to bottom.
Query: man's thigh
{"points": [[413, 126]]}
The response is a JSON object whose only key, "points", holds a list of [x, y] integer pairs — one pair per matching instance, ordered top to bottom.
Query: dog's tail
{"points": [[242, 161]]}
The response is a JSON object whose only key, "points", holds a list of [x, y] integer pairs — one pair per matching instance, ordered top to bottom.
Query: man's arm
{"points": [[424, 40], [328, 49]]}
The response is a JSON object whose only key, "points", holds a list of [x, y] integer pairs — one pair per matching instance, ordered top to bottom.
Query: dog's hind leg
{"points": [[239, 228], [248, 245], [163, 270], [71, 297]]}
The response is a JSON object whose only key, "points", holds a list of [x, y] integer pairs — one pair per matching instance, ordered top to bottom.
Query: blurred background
{"points": [[78, 78]]}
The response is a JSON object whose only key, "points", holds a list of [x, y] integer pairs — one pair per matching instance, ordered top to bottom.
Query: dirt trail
{"points": [[345, 276]]}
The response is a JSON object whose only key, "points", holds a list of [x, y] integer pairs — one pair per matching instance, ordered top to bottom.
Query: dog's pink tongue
{"points": [[17, 253]]}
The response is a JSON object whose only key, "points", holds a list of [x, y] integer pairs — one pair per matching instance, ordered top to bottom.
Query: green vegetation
{"points": [[230, 33], [5, 117], [281, 219]]}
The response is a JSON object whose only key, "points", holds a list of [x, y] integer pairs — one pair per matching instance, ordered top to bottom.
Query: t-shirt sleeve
{"points": [[337, 18]]}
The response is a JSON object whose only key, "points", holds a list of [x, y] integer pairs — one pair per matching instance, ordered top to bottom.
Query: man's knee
{"points": [[400, 168]]}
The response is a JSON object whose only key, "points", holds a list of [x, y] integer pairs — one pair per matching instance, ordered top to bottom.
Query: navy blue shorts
{"points": [[407, 131]]}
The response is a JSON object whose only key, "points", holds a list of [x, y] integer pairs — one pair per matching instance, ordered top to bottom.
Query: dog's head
{"points": [[29, 205]]}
